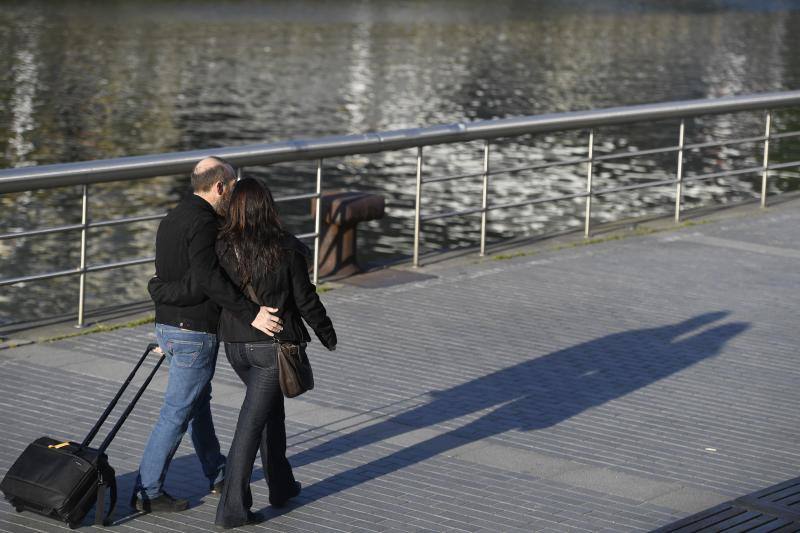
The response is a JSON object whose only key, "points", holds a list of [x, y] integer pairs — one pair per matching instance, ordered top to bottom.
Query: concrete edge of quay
{"points": [[402, 271]]}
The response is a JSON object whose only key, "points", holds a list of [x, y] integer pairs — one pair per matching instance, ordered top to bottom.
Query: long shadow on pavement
{"points": [[535, 394], [532, 395]]}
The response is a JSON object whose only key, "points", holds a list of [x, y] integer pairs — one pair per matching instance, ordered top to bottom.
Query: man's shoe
{"points": [[217, 487], [294, 491], [163, 504], [252, 518]]}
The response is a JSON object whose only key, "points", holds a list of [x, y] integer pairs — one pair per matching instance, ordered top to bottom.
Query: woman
{"points": [[270, 264]]}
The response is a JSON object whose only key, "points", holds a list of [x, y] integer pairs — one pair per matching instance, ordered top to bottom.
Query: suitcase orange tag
{"points": [[57, 446]]}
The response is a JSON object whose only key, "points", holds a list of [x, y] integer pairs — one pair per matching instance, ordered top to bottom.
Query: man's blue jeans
{"points": [[192, 358]]}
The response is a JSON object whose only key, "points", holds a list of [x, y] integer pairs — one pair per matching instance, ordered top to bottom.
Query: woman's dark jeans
{"points": [[261, 425]]}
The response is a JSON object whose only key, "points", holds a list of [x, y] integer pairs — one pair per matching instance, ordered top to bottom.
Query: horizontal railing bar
{"points": [[784, 135], [743, 140], [637, 153], [619, 155], [562, 163], [779, 166], [138, 167], [723, 174], [450, 178], [659, 183], [583, 194], [304, 196], [538, 201], [451, 214], [128, 220], [73, 227], [42, 231], [119, 264], [93, 268], [98, 268], [73, 271], [37, 277]]}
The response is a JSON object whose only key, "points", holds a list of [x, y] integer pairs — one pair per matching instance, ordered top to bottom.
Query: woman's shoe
{"points": [[294, 491], [252, 518]]}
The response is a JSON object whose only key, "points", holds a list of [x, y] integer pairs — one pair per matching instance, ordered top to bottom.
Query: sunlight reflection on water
{"points": [[115, 79]]}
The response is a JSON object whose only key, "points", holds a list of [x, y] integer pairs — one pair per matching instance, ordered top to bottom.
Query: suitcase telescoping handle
{"points": [[107, 412], [115, 429]]}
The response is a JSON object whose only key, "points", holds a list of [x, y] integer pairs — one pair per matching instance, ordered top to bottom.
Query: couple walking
{"points": [[218, 245]]}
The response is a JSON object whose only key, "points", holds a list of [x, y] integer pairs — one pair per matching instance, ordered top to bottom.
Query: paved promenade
{"points": [[611, 387]]}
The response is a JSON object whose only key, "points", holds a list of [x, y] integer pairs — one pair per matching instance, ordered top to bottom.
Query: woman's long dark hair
{"points": [[253, 229]]}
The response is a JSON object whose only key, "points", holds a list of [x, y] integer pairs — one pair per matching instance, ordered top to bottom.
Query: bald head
{"points": [[209, 171]]}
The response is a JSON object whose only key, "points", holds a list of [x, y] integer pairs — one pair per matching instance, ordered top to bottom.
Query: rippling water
{"points": [[90, 80]]}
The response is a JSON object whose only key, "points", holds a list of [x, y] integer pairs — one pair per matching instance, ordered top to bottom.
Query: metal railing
{"points": [[140, 167]]}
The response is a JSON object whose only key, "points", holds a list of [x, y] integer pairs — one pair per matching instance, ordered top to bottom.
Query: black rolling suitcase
{"points": [[63, 480]]}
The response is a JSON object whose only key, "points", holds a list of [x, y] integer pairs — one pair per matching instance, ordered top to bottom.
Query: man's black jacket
{"points": [[185, 251]]}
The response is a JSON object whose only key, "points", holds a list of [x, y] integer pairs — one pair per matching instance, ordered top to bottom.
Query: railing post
{"points": [[589, 165], [765, 171], [679, 176], [485, 197], [317, 221], [415, 262], [82, 282]]}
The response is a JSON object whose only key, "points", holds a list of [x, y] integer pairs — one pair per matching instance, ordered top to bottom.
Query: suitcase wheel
{"points": [[19, 508], [73, 525]]}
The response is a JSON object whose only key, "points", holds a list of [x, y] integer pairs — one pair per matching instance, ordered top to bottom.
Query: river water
{"points": [[90, 80]]}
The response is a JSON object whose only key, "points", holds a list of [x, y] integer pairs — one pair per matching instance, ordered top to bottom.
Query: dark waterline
{"points": [[91, 80]]}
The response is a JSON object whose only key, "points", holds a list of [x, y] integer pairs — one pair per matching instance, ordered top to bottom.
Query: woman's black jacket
{"points": [[288, 288]]}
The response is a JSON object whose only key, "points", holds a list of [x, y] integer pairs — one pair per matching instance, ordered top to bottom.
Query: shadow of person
{"points": [[535, 394]]}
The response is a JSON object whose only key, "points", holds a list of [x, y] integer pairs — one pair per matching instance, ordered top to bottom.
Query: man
{"points": [[186, 332]]}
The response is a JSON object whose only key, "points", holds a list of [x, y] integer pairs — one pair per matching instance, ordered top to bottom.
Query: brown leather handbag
{"points": [[294, 368]]}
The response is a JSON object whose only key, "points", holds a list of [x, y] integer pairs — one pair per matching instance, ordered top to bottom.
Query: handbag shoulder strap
{"points": [[247, 287], [251, 293]]}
